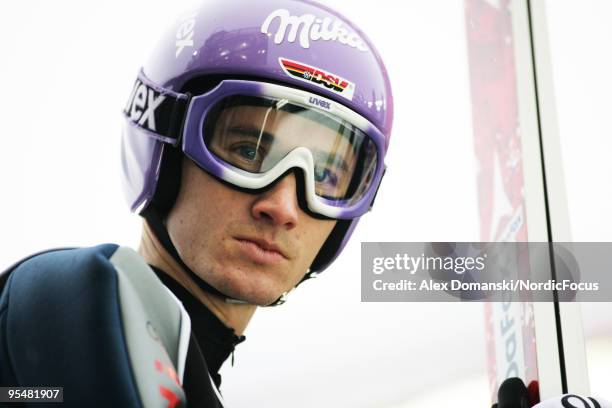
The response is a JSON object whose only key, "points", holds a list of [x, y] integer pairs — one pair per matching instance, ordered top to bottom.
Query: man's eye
{"points": [[246, 152], [326, 175]]}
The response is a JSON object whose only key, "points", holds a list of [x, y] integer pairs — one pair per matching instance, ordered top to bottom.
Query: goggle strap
{"points": [[158, 111], [378, 187]]}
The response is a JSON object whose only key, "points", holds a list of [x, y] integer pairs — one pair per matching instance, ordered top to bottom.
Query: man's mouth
{"points": [[260, 250]]}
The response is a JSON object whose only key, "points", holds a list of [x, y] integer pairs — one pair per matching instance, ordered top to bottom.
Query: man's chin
{"points": [[259, 292], [258, 297]]}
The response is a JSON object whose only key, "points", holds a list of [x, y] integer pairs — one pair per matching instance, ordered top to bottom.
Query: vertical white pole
{"points": [[568, 317]]}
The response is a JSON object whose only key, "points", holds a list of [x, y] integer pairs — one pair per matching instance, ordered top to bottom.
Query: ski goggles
{"points": [[250, 134]]}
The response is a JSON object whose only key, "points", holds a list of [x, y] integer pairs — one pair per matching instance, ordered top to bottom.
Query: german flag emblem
{"points": [[318, 77]]}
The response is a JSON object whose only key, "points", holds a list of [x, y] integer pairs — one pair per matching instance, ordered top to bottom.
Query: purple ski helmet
{"points": [[295, 43]]}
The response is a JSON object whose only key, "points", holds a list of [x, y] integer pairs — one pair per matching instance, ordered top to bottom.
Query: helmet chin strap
{"points": [[161, 233]]}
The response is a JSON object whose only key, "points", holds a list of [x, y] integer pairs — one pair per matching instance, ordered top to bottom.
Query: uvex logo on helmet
{"points": [[311, 28], [184, 33], [319, 77], [320, 102], [142, 105]]}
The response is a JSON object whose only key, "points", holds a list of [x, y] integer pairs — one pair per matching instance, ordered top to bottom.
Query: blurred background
{"points": [[67, 68]]}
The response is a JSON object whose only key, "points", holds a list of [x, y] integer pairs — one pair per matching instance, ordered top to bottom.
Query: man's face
{"points": [[249, 246]]}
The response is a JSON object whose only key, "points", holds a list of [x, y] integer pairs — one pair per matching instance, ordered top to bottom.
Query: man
{"points": [[253, 143]]}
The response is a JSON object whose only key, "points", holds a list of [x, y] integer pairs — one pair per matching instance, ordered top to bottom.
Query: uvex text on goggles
{"points": [[250, 133]]}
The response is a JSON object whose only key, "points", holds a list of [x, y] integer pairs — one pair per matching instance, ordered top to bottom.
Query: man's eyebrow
{"points": [[253, 132], [336, 159]]}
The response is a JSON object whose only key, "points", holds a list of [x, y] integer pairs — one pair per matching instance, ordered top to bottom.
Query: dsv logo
{"points": [[311, 28], [319, 77], [142, 104]]}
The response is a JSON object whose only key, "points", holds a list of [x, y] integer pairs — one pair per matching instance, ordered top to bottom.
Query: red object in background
{"points": [[497, 142], [534, 392]]}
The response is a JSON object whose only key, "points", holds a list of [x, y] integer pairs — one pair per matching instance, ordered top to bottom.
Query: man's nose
{"points": [[278, 205]]}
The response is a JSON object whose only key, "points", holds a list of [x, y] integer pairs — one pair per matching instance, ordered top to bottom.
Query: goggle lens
{"points": [[255, 133]]}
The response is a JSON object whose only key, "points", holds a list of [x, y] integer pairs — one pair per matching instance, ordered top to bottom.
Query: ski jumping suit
{"points": [[110, 330]]}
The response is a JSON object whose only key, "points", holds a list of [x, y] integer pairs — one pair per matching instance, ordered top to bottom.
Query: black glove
{"points": [[512, 393]]}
